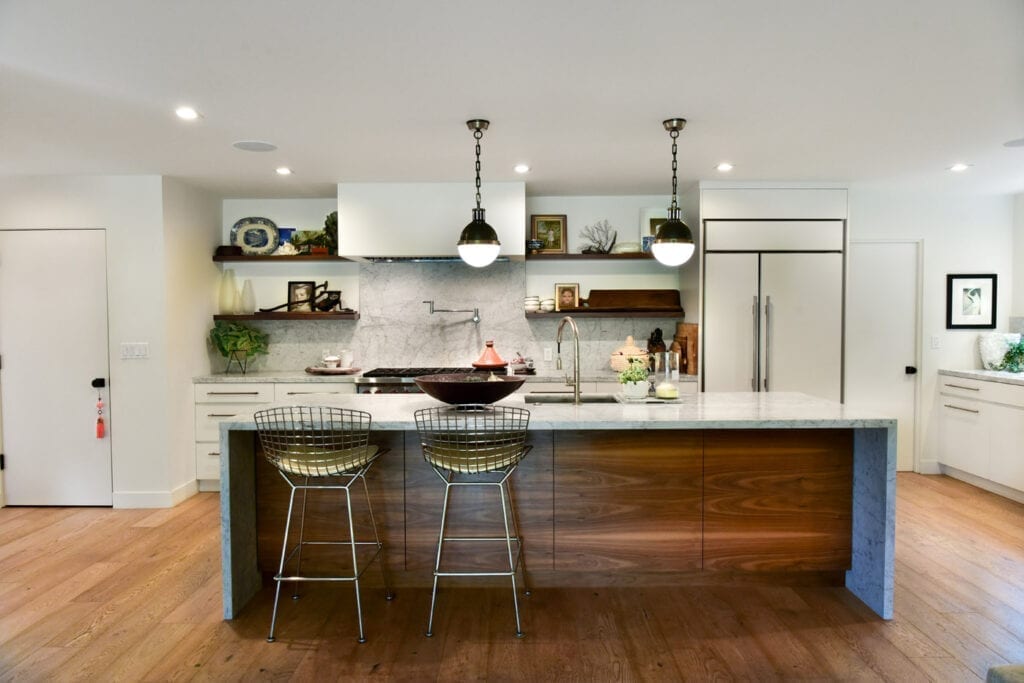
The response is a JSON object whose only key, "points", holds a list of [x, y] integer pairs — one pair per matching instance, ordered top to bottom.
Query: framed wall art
{"points": [[651, 220], [551, 230], [567, 295], [300, 296], [970, 302]]}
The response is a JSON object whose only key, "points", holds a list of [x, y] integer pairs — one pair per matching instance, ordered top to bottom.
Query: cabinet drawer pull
{"points": [[960, 386], [232, 393], [303, 393], [966, 410], [221, 415], [217, 454]]}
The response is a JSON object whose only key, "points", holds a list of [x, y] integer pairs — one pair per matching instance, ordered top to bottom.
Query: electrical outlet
{"points": [[935, 341], [547, 353]]}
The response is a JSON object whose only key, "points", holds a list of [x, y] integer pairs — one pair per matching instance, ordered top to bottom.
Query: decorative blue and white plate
{"points": [[255, 235]]}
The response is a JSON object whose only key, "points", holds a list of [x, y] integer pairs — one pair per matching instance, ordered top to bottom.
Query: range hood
{"points": [[421, 222]]}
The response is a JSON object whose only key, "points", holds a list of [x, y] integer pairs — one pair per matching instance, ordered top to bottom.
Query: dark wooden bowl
{"points": [[473, 387]]}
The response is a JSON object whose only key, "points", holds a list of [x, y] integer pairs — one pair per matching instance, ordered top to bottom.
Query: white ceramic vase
{"points": [[228, 299], [247, 301], [635, 389]]}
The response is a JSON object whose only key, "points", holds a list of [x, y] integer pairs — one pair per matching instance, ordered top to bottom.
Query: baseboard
{"points": [[929, 467], [982, 483], [209, 485], [155, 499]]}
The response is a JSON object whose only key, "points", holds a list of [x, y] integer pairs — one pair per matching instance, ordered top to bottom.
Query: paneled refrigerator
{"points": [[773, 320]]}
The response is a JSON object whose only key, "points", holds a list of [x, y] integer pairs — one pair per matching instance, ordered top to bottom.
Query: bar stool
{"points": [[476, 445], [331, 447]]}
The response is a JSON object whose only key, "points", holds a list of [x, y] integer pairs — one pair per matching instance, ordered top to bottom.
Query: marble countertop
{"points": [[280, 376], [988, 376], [775, 410]]}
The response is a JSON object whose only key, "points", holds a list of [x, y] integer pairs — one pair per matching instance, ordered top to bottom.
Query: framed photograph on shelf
{"points": [[651, 220], [551, 230], [567, 295], [300, 297], [971, 302]]}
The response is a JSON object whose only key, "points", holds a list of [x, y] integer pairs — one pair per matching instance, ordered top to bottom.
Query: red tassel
{"points": [[101, 428]]}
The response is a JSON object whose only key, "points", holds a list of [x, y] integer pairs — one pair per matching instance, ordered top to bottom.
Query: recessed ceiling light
{"points": [[187, 113], [1019, 142], [254, 146], [724, 167], [959, 167], [521, 168], [284, 170]]}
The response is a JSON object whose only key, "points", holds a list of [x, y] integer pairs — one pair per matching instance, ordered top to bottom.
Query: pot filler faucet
{"points": [[475, 311], [575, 355]]}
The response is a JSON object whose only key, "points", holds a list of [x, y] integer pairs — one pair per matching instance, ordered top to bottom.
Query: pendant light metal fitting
{"points": [[478, 244], [673, 245]]}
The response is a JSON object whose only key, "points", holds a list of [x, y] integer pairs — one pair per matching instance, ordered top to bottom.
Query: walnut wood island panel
{"points": [[717, 488]]}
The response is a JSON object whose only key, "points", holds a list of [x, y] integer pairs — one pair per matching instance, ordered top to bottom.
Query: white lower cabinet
{"points": [[216, 403], [981, 428]]}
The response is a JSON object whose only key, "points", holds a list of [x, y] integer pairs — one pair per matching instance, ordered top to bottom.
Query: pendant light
{"points": [[478, 244], [673, 245]]}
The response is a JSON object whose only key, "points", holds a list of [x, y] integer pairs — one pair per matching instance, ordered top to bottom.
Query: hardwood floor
{"points": [[98, 594]]}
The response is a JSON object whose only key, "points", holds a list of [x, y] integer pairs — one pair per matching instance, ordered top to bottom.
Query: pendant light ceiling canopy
{"points": [[478, 245], [673, 245]]}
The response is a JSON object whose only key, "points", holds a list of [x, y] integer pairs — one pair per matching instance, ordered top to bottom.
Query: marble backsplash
{"points": [[396, 329]]}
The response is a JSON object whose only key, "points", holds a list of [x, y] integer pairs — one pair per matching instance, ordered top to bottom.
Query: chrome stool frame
{"points": [[473, 440], [321, 442]]}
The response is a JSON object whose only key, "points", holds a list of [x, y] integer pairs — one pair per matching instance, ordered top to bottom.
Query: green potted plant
{"points": [[237, 343], [1013, 361], [634, 378]]}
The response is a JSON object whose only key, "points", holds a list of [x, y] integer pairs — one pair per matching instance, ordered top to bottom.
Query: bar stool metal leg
{"points": [[302, 530], [518, 538], [437, 561], [355, 562], [511, 563], [280, 566], [389, 595]]}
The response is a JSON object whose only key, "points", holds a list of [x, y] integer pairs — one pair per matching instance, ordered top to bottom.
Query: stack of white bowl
{"points": [[531, 304], [547, 304]]}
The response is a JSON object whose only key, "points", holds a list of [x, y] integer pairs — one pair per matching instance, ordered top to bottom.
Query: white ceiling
{"points": [[872, 91]]}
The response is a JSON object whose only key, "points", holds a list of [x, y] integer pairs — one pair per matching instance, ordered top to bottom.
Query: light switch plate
{"points": [[935, 341], [134, 350]]}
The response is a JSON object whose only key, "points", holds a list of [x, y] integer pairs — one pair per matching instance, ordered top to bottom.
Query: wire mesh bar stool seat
{"points": [[477, 445], [331, 448]]}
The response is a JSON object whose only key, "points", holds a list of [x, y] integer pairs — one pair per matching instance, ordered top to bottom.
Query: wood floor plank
{"points": [[90, 594]]}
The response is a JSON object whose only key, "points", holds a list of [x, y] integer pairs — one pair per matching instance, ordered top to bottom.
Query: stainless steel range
{"points": [[398, 380]]}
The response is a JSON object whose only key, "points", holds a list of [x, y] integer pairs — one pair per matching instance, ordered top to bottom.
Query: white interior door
{"points": [[802, 313], [730, 322], [882, 336], [53, 342]]}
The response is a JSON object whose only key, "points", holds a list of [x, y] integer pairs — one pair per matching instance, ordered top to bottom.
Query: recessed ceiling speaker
{"points": [[254, 146]]}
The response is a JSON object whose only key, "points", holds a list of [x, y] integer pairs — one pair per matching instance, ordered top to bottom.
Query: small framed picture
{"points": [[651, 220], [551, 230], [647, 241], [567, 295], [300, 297], [971, 302]]}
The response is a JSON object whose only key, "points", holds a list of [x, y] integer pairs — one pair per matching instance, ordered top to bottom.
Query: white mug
{"points": [[345, 356]]}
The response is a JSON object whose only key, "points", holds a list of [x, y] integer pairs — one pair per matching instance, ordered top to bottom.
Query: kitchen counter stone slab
{"points": [[272, 376], [987, 376]]}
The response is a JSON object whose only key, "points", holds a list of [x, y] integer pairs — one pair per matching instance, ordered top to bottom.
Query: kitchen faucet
{"points": [[475, 311], [575, 355]]}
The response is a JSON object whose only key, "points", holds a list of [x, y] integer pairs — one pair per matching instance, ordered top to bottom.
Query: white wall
{"points": [[129, 208], [191, 232], [961, 234], [1017, 305]]}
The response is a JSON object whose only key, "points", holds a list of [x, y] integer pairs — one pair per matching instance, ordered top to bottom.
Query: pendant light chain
{"points": [[477, 134], [675, 166]]}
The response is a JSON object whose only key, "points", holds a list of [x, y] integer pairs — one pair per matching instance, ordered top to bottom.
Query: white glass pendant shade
{"points": [[478, 245], [672, 253], [479, 255]]}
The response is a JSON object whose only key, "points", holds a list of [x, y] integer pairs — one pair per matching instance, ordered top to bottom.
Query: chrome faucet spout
{"points": [[567, 320]]}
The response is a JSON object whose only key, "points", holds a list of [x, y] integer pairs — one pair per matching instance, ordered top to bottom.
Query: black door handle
{"points": [[910, 370], [99, 382]]}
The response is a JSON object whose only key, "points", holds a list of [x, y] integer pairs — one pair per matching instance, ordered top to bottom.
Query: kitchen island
{"points": [[717, 487]]}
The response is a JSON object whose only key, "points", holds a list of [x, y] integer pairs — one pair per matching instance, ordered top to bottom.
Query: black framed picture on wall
{"points": [[970, 302]]}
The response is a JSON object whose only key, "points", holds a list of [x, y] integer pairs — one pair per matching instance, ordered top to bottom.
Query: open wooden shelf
{"points": [[636, 256], [281, 259], [587, 313], [288, 316]]}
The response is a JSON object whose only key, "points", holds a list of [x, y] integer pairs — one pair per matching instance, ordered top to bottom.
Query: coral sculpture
{"points": [[601, 236]]}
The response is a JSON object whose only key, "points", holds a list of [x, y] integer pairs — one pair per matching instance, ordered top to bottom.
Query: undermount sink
{"points": [[568, 398]]}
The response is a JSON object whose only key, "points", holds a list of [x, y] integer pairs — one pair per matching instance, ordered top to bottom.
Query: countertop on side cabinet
{"points": [[272, 376], [987, 376]]}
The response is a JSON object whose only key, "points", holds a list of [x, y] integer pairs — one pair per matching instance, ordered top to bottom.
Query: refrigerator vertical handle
{"points": [[767, 340], [753, 371]]}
